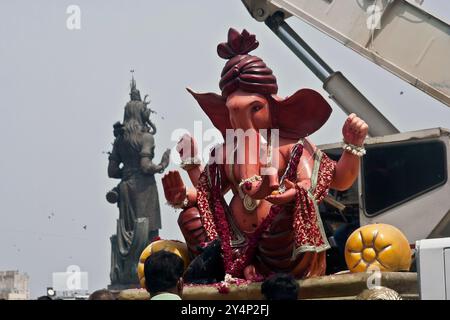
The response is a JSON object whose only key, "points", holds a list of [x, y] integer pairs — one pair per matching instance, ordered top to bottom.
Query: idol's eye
{"points": [[256, 107]]}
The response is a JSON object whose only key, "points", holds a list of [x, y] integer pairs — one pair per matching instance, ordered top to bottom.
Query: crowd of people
{"points": [[164, 271], [164, 281]]}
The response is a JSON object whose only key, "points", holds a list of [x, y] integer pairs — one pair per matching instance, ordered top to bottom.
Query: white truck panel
{"points": [[409, 42], [426, 210], [433, 267]]}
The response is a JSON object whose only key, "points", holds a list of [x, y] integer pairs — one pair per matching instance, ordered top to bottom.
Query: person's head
{"points": [[163, 272], [280, 286], [379, 293], [102, 294], [44, 298]]}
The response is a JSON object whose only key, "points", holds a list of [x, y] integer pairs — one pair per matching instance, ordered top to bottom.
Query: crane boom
{"points": [[408, 41], [340, 89]]}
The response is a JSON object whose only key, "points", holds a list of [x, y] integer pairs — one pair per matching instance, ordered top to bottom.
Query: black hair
{"points": [[207, 267], [162, 271], [280, 286], [102, 294]]}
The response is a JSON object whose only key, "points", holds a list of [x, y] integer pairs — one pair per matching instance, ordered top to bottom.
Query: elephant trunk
{"points": [[251, 168]]}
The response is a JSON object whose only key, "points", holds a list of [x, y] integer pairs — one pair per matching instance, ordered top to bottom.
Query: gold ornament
{"points": [[250, 204], [377, 247]]}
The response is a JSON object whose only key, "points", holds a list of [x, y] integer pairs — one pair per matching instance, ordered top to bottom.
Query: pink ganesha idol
{"points": [[272, 223]]}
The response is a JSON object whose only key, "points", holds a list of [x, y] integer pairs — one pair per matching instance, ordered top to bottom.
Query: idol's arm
{"points": [[190, 160], [347, 169], [346, 172], [194, 174]]}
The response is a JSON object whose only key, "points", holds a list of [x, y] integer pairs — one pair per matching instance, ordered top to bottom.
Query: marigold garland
{"points": [[306, 229]]}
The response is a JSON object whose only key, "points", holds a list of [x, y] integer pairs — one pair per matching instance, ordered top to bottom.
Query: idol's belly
{"points": [[248, 221], [276, 245]]}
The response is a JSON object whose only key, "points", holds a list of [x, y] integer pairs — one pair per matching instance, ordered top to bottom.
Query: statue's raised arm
{"points": [[148, 153]]}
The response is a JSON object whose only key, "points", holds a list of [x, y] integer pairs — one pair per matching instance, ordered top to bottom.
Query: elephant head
{"points": [[249, 102]]}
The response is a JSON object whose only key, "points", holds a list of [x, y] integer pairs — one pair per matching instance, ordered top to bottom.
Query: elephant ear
{"points": [[215, 108], [301, 114]]}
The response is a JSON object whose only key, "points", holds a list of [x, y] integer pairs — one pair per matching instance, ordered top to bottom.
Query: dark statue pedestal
{"points": [[125, 256]]}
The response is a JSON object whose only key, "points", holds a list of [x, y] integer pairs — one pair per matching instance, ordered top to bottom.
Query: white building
{"points": [[14, 285]]}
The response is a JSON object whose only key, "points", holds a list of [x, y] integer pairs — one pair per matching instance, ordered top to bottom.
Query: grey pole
{"points": [[341, 90]]}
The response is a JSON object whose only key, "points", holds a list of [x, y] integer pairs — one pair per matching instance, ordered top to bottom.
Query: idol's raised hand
{"points": [[355, 130], [187, 147], [174, 188]]}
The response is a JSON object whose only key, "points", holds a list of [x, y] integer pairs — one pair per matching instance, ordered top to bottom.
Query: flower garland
{"points": [[216, 223], [306, 228], [224, 286]]}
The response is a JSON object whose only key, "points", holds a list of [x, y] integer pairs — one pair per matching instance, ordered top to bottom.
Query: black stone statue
{"points": [[136, 195]]}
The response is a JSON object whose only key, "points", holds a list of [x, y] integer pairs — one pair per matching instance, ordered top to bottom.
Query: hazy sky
{"points": [[61, 91]]}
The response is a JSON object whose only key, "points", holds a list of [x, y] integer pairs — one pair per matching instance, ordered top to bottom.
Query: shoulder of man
{"points": [[166, 296]]}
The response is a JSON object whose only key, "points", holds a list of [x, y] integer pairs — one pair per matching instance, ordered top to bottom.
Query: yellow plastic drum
{"points": [[177, 247], [377, 247]]}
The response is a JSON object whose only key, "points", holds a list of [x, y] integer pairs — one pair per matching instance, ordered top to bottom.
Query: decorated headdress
{"points": [[135, 94], [296, 117]]}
